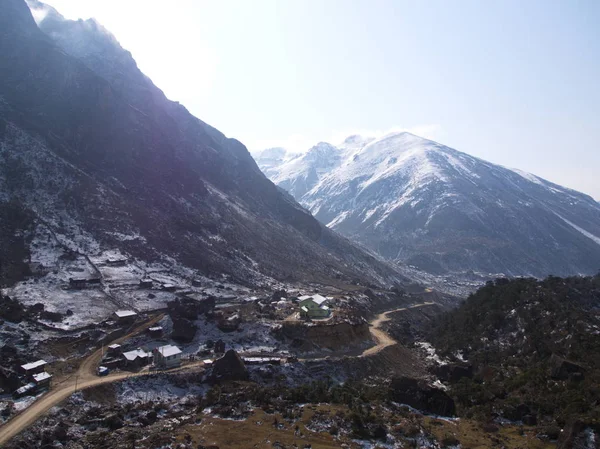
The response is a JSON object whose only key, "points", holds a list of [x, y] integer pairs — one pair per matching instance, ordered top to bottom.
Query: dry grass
{"points": [[259, 431], [472, 436]]}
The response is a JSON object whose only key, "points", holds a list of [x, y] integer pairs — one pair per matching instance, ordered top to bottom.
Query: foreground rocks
{"points": [[183, 330], [421, 396]]}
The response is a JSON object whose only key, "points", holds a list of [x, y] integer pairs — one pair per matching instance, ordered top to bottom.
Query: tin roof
{"points": [[125, 313], [168, 350], [132, 355], [32, 365], [40, 377]]}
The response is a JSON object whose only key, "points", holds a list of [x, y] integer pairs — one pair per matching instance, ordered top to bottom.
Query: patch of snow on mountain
{"points": [[528, 176], [337, 220], [589, 235]]}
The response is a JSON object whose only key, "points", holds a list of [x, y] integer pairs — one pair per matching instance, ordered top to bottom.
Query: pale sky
{"points": [[513, 82]]}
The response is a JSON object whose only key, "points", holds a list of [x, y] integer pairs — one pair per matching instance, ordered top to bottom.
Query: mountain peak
{"points": [[41, 12], [16, 18], [321, 149], [419, 202]]}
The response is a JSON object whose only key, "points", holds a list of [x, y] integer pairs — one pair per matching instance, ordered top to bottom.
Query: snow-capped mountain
{"points": [[414, 200]]}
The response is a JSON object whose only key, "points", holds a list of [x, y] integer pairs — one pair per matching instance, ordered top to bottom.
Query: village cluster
{"points": [[157, 351]]}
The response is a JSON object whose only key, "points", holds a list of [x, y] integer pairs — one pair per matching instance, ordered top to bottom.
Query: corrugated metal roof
{"points": [[318, 299], [125, 313], [168, 350], [132, 355], [33, 365], [42, 376]]}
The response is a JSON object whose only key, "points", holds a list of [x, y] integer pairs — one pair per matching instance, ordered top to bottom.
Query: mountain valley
{"points": [[161, 288]]}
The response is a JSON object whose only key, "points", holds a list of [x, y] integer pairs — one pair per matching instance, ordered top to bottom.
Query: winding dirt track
{"points": [[383, 339], [85, 377]]}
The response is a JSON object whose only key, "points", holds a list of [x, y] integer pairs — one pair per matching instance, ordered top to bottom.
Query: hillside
{"points": [[94, 154], [419, 202], [534, 349]]}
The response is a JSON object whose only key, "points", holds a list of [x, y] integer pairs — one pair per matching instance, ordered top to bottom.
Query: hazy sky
{"points": [[513, 82]]}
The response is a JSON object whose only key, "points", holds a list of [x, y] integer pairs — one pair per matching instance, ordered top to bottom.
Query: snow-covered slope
{"points": [[441, 210]]}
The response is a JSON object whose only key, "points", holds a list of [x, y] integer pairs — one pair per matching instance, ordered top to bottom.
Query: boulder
{"points": [[278, 294], [37, 307], [188, 308], [11, 309], [55, 317], [229, 324], [183, 330], [229, 367], [561, 368], [453, 372], [9, 380], [421, 396], [517, 412], [530, 420], [113, 422], [61, 432]]}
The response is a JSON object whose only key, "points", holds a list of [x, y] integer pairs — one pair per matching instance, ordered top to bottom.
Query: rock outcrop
{"points": [[189, 308], [183, 330], [335, 336], [229, 367], [421, 396]]}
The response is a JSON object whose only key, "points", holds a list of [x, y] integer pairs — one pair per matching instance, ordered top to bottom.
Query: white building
{"points": [[125, 316], [168, 356]]}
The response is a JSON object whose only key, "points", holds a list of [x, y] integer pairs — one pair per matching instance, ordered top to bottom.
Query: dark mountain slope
{"points": [[96, 151], [534, 346]]}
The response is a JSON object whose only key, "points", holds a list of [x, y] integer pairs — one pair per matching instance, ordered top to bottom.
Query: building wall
{"points": [[318, 313], [174, 360]]}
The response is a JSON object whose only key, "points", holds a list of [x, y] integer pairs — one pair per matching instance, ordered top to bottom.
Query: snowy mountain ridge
{"points": [[417, 201]]}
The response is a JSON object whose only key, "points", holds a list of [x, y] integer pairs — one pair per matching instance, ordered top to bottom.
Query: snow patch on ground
{"points": [[431, 352], [155, 389]]}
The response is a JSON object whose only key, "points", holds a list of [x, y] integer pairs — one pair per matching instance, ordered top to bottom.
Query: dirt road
{"points": [[383, 339], [85, 377]]}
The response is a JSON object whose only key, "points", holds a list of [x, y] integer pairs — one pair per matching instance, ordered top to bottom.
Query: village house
{"points": [[116, 261], [81, 283], [146, 283], [196, 283], [169, 287], [315, 306], [125, 316], [155, 331], [114, 350], [168, 356], [136, 359], [261, 360], [29, 369], [42, 380]]}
